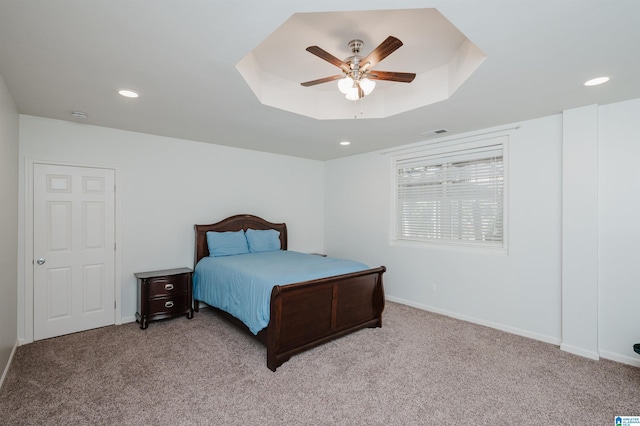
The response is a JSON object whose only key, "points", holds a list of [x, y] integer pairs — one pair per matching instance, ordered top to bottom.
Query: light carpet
{"points": [[420, 368]]}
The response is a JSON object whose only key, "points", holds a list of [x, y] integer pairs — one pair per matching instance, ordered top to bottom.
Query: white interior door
{"points": [[73, 249]]}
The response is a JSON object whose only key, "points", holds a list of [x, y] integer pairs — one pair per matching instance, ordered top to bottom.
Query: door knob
{"points": [[40, 261]]}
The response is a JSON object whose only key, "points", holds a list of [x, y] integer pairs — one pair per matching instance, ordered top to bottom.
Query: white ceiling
{"points": [[59, 56], [441, 57]]}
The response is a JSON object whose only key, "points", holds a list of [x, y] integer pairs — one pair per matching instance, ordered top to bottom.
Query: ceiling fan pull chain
{"points": [[355, 106]]}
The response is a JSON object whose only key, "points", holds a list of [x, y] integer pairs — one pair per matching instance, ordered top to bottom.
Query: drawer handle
{"points": [[168, 286], [168, 304]]}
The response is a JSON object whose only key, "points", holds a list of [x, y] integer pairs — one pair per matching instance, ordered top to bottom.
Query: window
{"points": [[452, 195]]}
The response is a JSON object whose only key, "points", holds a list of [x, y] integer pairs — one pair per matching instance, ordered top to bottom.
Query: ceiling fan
{"points": [[357, 78]]}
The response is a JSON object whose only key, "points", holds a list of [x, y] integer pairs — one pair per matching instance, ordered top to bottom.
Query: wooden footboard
{"points": [[308, 314]]}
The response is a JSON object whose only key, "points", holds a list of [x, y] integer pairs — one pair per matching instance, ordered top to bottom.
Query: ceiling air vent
{"points": [[79, 114], [434, 132]]}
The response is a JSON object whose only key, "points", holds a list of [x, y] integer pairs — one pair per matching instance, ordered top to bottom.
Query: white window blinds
{"points": [[455, 196]]}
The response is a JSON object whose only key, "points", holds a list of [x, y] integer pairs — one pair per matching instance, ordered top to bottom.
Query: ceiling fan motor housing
{"points": [[356, 46], [354, 61]]}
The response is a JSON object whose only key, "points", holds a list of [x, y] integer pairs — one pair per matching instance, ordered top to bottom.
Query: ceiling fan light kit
{"points": [[357, 79], [345, 84], [349, 87]]}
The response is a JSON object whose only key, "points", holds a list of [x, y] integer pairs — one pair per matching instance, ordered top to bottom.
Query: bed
{"points": [[302, 314]]}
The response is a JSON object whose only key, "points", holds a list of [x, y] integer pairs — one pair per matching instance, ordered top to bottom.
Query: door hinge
{"points": [[114, 246], [114, 304]]}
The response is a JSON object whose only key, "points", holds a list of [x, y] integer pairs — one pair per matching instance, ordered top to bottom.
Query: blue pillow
{"points": [[263, 240], [226, 243]]}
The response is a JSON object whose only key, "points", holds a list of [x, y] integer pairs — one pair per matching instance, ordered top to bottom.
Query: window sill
{"points": [[454, 247]]}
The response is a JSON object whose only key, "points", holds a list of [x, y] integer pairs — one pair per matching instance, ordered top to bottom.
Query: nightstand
{"points": [[164, 294]]}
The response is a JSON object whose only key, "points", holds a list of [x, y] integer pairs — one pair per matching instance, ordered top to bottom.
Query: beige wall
{"points": [[8, 226]]}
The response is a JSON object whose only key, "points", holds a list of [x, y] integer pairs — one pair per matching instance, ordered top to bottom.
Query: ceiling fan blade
{"points": [[386, 48], [323, 54], [402, 77], [322, 80]]}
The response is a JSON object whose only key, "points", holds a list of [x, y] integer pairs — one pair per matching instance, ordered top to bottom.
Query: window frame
{"points": [[444, 149]]}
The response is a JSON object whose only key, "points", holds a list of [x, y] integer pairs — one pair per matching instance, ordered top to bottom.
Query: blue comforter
{"points": [[241, 284]]}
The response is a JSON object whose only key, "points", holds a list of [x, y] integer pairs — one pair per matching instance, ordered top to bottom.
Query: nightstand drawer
{"points": [[167, 285], [169, 305]]}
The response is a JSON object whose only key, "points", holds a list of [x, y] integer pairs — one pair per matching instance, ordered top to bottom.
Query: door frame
{"points": [[29, 246]]}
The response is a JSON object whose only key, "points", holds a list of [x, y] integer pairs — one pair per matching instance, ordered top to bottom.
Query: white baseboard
{"points": [[513, 330], [580, 351], [623, 359], [6, 368]]}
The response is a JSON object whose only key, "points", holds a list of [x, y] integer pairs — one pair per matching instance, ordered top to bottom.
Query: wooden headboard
{"points": [[235, 223]]}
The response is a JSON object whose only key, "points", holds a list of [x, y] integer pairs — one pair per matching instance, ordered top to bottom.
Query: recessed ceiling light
{"points": [[596, 81], [128, 93], [345, 143]]}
